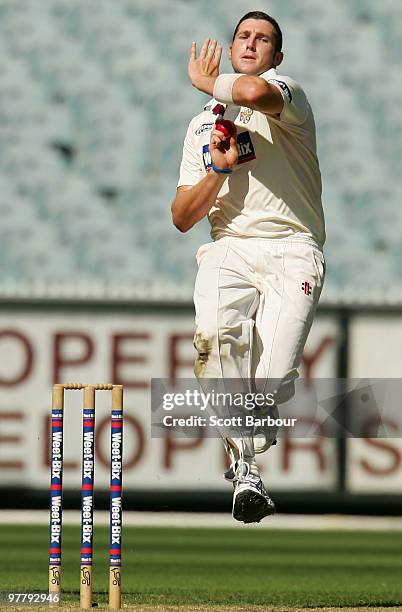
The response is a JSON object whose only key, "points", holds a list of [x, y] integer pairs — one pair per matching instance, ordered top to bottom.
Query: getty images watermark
{"points": [[214, 408], [333, 408], [244, 410]]}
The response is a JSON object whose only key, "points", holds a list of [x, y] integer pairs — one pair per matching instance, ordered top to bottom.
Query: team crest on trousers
{"points": [[245, 114], [306, 288]]}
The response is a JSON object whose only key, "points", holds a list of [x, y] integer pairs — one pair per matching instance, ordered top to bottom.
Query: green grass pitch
{"points": [[171, 566]]}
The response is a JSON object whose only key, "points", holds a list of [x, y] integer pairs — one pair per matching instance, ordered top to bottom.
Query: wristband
{"points": [[223, 87], [221, 170]]}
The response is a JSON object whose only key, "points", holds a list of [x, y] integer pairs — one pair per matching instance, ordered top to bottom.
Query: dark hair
{"points": [[261, 15]]}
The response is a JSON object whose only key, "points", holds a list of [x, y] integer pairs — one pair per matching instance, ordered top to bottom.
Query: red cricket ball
{"points": [[225, 126]]}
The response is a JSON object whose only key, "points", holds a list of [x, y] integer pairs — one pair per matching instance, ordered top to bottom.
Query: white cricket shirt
{"points": [[275, 190]]}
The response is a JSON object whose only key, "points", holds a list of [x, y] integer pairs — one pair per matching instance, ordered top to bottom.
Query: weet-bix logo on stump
{"points": [[246, 150]]}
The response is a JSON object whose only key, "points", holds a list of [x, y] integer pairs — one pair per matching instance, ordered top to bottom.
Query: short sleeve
{"points": [[295, 101], [190, 167]]}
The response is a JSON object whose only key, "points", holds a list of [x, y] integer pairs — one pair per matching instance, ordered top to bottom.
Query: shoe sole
{"points": [[250, 507]]}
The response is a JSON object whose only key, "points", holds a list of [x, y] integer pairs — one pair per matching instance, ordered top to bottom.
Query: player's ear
{"points": [[230, 52], [278, 58]]}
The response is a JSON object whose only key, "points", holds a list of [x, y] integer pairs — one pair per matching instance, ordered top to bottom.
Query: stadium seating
{"points": [[93, 108]]}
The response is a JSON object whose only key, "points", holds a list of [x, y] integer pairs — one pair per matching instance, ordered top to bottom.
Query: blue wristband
{"points": [[221, 170]]}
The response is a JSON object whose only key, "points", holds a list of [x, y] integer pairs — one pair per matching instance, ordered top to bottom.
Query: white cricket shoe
{"points": [[251, 502]]}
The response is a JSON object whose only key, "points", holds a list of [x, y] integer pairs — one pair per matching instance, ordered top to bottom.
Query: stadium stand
{"points": [[94, 100]]}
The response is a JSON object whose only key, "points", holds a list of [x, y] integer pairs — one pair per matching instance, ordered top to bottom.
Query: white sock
{"points": [[246, 445], [254, 469]]}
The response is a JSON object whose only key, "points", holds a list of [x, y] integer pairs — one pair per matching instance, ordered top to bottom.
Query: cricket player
{"points": [[250, 164]]}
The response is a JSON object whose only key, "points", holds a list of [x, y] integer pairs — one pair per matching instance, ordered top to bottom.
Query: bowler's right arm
{"points": [[193, 201]]}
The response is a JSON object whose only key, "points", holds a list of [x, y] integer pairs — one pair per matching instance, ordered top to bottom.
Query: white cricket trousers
{"points": [[255, 300]]}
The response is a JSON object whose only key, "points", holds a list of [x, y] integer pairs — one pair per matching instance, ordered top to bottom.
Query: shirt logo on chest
{"points": [[245, 114], [205, 127], [246, 147], [246, 151], [206, 157]]}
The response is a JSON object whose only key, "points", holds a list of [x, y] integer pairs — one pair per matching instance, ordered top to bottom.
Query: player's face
{"points": [[253, 49]]}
